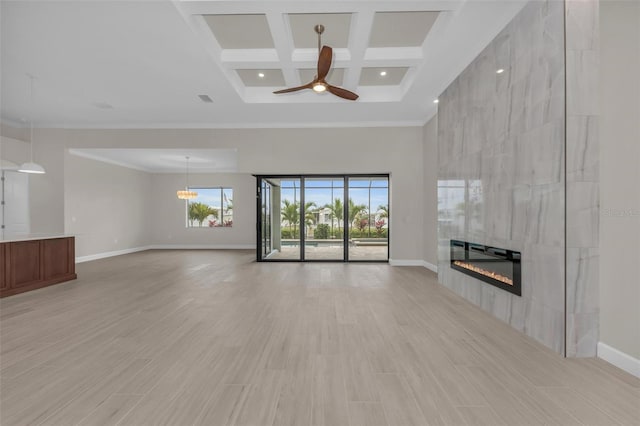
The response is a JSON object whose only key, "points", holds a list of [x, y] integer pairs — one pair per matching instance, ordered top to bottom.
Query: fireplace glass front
{"points": [[496, 266]]}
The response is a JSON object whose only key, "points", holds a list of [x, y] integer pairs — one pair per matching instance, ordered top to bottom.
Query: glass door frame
{"points": [[346, 225], [266, 231]]}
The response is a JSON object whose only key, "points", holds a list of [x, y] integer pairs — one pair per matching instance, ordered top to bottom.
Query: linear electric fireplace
{"points": [[496, 266]]}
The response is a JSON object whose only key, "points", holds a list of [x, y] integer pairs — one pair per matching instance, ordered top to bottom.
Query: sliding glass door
{"points": [[368, 215], [323, 218], [266, 222]]}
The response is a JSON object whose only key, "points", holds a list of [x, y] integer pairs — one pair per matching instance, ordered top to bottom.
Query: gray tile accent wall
{"points": [[501, 169], [511, 175], [583, 190]]}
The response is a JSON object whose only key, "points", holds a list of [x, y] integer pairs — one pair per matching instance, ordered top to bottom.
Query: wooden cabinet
{"points": [[24, 264], [28, 265], [4, 283]]}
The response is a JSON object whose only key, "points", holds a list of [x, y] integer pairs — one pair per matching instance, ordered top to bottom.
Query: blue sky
{"points": [[321, 191], [212, 196]]}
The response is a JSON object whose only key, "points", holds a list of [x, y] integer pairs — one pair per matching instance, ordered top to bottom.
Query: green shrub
{"points": [[321, 232], [365, 233], [289, 234]]}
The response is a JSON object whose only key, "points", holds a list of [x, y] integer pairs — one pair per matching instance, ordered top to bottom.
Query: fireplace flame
{"points": [[484, 272]]}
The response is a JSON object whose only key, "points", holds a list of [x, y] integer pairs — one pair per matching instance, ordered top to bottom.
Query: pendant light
{"points": [[30, 166], [186, 194]]}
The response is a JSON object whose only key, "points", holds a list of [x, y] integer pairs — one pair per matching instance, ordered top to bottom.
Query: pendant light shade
{"points": [[30, 166], [33, 168], [186, 194]]}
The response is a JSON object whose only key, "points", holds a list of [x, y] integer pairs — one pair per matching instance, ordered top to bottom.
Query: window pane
{"points": [[227, 206], [213, 207], [368, 218], [323, 221]]}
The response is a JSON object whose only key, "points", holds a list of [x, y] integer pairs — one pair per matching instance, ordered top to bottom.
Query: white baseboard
{"points": [[202, 247], [106, 254], [405, 262], [413, 262], [430, 266], [620, 359]]}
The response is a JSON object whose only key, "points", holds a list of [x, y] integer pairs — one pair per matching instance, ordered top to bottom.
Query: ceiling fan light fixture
{"points": [[319, 87]]}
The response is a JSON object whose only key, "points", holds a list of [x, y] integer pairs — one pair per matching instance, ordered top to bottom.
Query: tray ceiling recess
{"points": [[375, 52]]}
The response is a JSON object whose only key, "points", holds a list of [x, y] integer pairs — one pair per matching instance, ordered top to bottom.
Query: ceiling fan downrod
{"points": [[319, 29]]}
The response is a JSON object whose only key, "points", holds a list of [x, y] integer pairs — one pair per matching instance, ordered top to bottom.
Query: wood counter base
{"points": [[28, 265]]}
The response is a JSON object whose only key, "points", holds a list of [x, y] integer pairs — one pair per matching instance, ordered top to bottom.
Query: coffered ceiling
{"points": [[244, 43], [146, 63]]}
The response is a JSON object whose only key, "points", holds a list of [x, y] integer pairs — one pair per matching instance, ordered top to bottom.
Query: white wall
{"points": [[397, 151], [620, 176], [430, 191], [46, 192], [46, 201], [108, 208], [15, 210], [14, 215], [167, 224]]}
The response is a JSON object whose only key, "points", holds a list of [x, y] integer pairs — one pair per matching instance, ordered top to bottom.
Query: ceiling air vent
{"points": [[205, 99], [102, 105]]}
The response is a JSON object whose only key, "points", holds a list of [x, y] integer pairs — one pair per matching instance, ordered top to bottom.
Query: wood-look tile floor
{"points": [[212, 338]]}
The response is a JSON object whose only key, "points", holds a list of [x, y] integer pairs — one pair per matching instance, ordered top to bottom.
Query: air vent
{"points": [[205, 99], [102, 105]]}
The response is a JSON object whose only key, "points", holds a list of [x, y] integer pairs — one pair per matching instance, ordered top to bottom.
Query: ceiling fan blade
{"points": [[324, 62], [293, 89], [343, 93]]}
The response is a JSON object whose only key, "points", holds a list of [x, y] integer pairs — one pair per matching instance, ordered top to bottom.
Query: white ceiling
{"points": [[142, 64], [165, 160]]}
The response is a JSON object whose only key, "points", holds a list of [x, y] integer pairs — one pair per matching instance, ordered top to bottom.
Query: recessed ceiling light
{"points": [[500, 71], [383, 73], [261, 74], [435, 101]]}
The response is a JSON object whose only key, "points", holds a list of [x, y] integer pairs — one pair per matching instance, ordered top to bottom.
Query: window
{"points": [[212, 208]]}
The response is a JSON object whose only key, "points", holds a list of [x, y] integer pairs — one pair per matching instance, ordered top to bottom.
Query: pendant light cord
{"points": [[31, 78], [187, 177]]}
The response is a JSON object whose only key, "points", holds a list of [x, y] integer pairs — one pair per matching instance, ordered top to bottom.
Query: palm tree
{"points": [[200, 211], [337, 211], [355, 211], [384, 211], [290, 213], [309, 216]]}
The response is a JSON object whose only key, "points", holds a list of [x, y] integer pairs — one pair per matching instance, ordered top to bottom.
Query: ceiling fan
{"points": [[319, 84]]}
